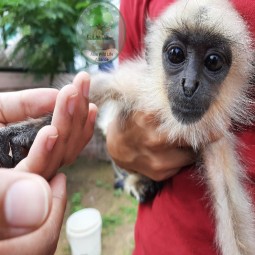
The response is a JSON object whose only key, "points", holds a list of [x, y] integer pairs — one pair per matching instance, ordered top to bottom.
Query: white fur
{"points": [[232, 206]]}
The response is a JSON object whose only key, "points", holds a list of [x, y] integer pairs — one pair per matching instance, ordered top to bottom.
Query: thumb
{"points": [[25, 202]]}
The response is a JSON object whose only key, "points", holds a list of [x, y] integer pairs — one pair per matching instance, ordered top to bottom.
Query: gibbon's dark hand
{"points": [[71, 129], [139, 148], [31, 213]]}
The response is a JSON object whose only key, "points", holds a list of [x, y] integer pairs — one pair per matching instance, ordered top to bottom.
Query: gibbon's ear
{"points": [[148, 24]]}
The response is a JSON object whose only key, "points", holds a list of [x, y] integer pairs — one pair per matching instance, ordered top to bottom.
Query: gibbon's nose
{"points": [[189, 87]]}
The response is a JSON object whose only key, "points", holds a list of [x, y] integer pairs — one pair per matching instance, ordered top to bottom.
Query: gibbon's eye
{"points": [[176, 55], [214, 62]]}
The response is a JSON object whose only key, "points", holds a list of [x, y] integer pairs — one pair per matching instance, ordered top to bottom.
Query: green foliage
{"points": [[48, 42], [103, 184], [118, 192], [76, 202], [129, 212], [124, 214], [110, 222]]}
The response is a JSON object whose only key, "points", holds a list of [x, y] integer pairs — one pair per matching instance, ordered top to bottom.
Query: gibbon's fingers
{"points": [[27, 103], [62, 120], [41, 153], [25, 202], [45, 237]]}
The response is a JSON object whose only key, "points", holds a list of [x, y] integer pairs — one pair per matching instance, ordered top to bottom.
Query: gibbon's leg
{"points": [[142, 188], [232, 205]]}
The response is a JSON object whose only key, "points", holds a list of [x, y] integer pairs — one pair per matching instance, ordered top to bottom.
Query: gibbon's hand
{"points": [[71, 128], [139, 148], [31, 213]]}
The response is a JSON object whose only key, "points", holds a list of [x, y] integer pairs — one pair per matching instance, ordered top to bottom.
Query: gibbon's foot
{"points": [[16, 140], [120, 176], [141, 187]]}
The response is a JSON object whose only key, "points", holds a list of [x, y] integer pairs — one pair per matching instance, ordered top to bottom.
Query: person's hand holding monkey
{"points": [[139, 148]]}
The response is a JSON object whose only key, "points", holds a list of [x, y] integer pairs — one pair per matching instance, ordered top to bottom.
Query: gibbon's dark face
{"points": [[196, 62]]}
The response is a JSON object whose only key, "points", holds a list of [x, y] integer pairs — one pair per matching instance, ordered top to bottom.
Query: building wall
{"points": [[11, 81]]}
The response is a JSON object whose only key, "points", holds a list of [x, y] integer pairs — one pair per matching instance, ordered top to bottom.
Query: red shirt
{"points": [[179, 220]]}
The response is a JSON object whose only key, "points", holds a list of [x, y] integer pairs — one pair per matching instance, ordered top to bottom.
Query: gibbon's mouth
{"points": [[187, 115]]}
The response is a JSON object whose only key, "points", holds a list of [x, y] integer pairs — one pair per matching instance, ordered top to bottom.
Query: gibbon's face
{"points": [[195, 62]]}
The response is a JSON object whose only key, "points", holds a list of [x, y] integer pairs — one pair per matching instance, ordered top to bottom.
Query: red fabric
{"points": [[247, 9], [178, 221]]}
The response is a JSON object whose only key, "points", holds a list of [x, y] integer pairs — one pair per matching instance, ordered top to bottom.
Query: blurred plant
{"points": [[47, 29], [103, 184], [76, 202], [110, 223]]}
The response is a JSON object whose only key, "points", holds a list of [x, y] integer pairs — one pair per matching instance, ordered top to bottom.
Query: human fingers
{"points": [[17, 106], [83, 119], [62, 120], [74, 121], [137, 138], [120, 144], [140, 148], [40, 153], [163, 164], [157, 165], [25, 202], [46, 237]]}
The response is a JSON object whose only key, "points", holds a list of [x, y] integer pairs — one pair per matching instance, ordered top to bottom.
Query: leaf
{"points": [[65, 7], [47, 29], [67, 31], [50, 40]]}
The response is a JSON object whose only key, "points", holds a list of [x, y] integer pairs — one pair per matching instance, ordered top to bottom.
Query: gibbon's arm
{"points": [[121, 86], [232, 205]]}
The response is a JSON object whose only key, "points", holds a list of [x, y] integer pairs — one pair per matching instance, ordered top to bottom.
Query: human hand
{"points": [[72, 122], [139, 148], [28, 206], [31, 213]]}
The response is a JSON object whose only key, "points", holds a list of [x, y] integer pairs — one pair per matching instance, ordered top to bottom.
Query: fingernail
{"points": [[86, 89], [71, 104], [51, 140], [26, 204]]}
